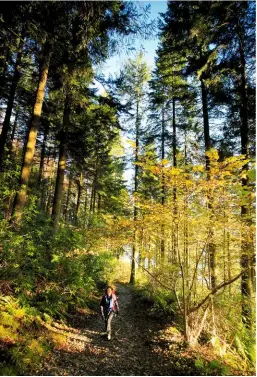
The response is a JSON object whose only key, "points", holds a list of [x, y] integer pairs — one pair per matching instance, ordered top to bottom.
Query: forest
{"points": [[146, 184]]}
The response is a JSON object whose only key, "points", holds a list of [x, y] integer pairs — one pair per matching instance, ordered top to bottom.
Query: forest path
{"points": [[133, 350]]}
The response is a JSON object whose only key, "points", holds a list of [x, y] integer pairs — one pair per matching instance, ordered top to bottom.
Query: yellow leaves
{"points": [[131, 143], [117, 151], [213, 154], [164, 162], [198, 168], [155, 169], [175, 171], [189, 183], [19, 313], [7, 335], [59, 341], [36, 347]]}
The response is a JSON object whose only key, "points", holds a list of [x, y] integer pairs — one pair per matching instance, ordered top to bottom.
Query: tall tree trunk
{"points": [[6, 53], [15, 80], [15, 125], [174, 133], [207, 140], [174, 155], [42, 157], [163, 184], [80, 185], [50, 187], [44, 193], [91, 198], [20, 199], [94, 199], [57, 203], [99, 203], [66, 207], [85, 207], [186, 246], [246, 246], [133, 262]]}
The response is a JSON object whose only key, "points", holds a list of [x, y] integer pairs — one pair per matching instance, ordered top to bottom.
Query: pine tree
{"points": [[131, 86]]}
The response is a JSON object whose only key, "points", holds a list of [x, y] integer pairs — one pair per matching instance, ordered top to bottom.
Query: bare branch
{"points": [[196, 266], [215, 290]]}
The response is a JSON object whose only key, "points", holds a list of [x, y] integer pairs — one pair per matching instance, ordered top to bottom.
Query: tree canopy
{"points": [[182, 232]]}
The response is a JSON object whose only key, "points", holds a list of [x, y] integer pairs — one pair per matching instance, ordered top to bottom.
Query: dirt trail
{"points": [[130, 352]]}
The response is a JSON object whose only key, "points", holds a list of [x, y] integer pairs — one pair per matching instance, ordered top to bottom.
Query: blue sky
{"points": [[113, 65]]}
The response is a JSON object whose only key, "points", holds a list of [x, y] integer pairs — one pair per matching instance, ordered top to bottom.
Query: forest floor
{"points": [[141, 345]]}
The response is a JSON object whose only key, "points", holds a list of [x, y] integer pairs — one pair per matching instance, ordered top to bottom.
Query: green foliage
{"points": [[51, 271], [50, 274], [159, 301], [164, 301], [26, 349], [29, 355], [211, 368]]}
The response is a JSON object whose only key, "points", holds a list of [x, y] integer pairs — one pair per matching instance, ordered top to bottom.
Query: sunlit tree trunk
{"points": [[32, 137], [208, 145], [174, 157], [163, 184], [247, 244], [186, 248], [133, 262]]}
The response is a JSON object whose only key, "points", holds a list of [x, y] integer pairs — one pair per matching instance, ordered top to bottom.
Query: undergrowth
{"points": [[45, 277], [212, 355]]}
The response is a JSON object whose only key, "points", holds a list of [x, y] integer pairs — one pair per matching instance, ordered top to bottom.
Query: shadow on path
{"points": [[128, 353]]}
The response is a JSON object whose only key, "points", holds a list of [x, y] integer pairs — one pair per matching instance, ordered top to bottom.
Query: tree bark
{"points": [[6, 52], [11, 97], [15, 125], [174, 133], [207, 140], [174, 155], [42, 156], [80, 184], [163, 185], [50, 186], [94, 198], [20, 199], [57, 202], [99, 203], [66, 207], [85, 207], [246, 245], [133, 265]]}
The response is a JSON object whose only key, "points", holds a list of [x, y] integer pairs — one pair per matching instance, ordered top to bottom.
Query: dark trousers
{"points": [[108, 322]]}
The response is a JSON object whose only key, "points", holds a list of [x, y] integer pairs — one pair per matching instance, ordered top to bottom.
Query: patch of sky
{"points": [[113, 66]]}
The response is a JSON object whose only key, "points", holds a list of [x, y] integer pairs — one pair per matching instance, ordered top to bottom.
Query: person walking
{"points": [[109, 306]]}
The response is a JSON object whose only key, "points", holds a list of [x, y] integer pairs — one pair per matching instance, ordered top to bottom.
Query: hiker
{"points": [[109, 306]]}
